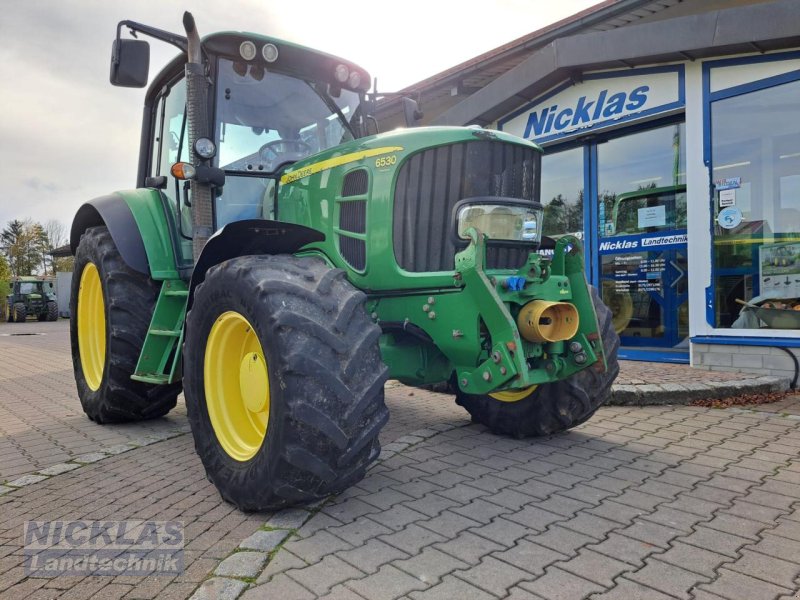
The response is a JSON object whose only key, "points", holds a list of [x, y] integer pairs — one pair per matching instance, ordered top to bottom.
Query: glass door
{"points": [[635, 229], [642, 236]]}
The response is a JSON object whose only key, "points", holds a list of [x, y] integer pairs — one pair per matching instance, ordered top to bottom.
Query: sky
{"points": [[67, 135]]}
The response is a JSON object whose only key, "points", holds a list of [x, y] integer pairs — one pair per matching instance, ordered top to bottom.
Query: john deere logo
{"points": [[586, 111]]}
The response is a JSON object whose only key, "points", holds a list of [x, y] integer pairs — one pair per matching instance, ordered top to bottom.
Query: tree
{"points": [[56, 236], [22, 242]]}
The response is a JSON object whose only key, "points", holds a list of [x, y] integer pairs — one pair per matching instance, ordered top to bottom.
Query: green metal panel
{"points": [[148, 210]]}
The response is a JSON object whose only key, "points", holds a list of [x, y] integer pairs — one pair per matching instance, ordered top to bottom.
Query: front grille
{"points": [[431, 182]]}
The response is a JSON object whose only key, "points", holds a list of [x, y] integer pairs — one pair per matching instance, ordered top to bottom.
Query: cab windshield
{"points": [[267, 120]]}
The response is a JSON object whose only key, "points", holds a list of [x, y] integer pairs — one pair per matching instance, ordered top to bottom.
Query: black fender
{"points": [[113, 212], [247, 238]]}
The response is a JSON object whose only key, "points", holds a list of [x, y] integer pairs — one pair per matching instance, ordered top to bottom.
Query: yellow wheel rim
{"points": [[91, 326], [236, 382], [513, 395]]}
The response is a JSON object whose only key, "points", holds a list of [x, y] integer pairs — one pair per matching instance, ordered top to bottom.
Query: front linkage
{"points": [[499, 332]]}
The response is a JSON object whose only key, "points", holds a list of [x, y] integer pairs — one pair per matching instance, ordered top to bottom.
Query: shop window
{"points": [[755, 166], [562, 193]]}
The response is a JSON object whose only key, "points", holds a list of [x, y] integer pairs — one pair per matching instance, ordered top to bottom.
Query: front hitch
{"points": [[553, 309]]}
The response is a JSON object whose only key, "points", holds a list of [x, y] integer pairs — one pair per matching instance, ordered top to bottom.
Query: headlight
{"points": [[247, 50], [270, 52], [341, 73], [205, 148], [504, 222]]}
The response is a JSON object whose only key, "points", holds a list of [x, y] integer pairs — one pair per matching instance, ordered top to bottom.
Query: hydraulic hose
{"points": [[796, 365]]}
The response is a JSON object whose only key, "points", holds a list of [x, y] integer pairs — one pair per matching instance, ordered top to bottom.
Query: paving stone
{"points": [[58, 469], [27, 480], [5, 489], [430, 504], [349, 510], [481, 511], [398, 517], [288, 518], [534, 518], [674, 519], [585, 523], [448, 524], [737, 525], [788, 529], [358, 531], [502, 531], [651, 533], [412, 538], [562, 540], [264, 541], [716, 541], [777, 546], [314, 547], [468, 547], [623, 548], [372, 555], [530, 556], [699, 560], [282, 561], [242, 564], [430, 565], [595, 567], [767, 568], [322, 576], [494, 576], [667, 578], [387, 584], [556, 584], [736, 586], [281, 587], [219, 588], [451, 588], [625, 589], [340, 592]]}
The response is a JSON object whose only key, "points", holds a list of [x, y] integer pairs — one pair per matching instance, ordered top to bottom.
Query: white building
{"points": [[672, 138]]}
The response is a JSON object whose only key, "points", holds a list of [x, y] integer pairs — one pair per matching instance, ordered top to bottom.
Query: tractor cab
{"points": [[268, 103]]}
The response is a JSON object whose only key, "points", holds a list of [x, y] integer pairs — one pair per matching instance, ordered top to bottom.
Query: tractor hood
{"points": [[400, 141]]}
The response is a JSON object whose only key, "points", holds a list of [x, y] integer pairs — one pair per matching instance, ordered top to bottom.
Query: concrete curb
{"points": [[685, 393]]}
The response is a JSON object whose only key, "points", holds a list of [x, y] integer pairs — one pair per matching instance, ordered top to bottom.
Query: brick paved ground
{"points": [[41, 421], [638, 503]]}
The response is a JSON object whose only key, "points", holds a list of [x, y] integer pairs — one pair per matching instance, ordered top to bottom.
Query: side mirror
{"points": [[130, 63], [412, 112]]}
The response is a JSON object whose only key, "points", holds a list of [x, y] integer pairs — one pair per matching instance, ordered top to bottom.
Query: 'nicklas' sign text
{"points": [[596, 102]]}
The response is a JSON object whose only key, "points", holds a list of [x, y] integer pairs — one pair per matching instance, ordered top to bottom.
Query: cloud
{"points": [[67, 136]]}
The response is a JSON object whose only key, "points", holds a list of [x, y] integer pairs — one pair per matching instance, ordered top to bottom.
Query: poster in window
{"points": [[779, 269]]}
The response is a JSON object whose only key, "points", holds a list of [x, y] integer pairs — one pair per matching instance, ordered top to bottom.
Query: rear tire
{"points": [[124, 309], [52, 311], [20, 312], [324, 401], [552, 407]]}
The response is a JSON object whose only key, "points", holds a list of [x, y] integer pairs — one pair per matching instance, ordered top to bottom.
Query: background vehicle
{"points": [[280, 263], [31, 297]]}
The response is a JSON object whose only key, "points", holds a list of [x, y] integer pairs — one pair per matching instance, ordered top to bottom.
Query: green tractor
{"points": [[278, 263], [31, 297]]}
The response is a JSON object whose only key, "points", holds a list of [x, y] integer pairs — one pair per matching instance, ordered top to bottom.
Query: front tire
{"points": [[110, 310], [52, 311], [9, 312], [20, 312], [283, 381], [552, 407]]}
